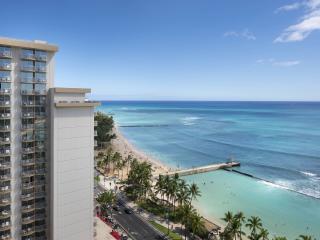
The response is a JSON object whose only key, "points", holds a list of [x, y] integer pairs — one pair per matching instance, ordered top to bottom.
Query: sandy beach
{"points": [[125, 148]]}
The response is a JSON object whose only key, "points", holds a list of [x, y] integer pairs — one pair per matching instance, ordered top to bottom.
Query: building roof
{"points": [[36, 44]]}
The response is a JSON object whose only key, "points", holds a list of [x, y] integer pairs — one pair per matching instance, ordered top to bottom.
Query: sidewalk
{"points": [[103, 230]]}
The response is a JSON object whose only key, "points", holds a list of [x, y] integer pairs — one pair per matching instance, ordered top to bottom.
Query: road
{"points": [[135, 225], [139, 229]]}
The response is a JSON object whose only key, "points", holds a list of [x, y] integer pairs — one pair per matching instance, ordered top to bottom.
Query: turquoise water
{"points": [[276, 142]]}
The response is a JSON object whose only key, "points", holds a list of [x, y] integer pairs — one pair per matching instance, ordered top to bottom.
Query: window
{"points": [[26, 76], [5, 86]]}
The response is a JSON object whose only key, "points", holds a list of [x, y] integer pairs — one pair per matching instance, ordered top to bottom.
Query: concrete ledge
{"points": [[28, 44], [72, 90], [76, 105]]}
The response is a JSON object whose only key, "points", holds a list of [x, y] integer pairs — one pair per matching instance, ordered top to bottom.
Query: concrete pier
{"points": [[203, 169]]}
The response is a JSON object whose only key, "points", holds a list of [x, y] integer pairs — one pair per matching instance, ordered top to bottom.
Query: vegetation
{"points": [[104, 128], [105, 199], [164, 230], [234, 230]]}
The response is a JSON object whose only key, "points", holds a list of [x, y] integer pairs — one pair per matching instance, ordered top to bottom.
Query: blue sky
{"points": [[178, 49]]}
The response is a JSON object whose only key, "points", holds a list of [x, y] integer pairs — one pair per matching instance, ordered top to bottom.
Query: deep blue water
{"points": [[275, 141]]}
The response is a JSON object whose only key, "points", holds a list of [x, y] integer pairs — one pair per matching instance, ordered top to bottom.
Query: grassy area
{"points": [[172, 235]]}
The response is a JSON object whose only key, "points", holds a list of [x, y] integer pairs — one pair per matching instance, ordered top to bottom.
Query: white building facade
{"points": [[29, 154]]}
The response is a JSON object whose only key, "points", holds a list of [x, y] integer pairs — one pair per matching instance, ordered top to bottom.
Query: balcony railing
{"points": [[5, 54], [29, 56], [41, 57], [5, 67], [27, 68], [40, 69], [5, 79], [33, 80], [5, 91], [33, 92], [4, 103], [5, 115], [28, 115], [27, 126], [5, 128], [4, 139], [26, 150], [5, 152], [5, 165], [26, 173], [28, 185], [5, 189], [40, 194], [27, 196], [5, 201], [28, 208], [5, 214], [40, 216], [28, 219], [5, 226], [40, 228], [28, 231], [6, 237]]}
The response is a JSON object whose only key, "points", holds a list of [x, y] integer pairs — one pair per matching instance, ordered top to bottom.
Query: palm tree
{"points": [[128, 162], [160, 186], [194, 192], [183, 194], [186, 212], [228, 217], [240, 218], [254, 223], [197, 224], [234, 228], [264, 234], [304, 237], [279, 238]]}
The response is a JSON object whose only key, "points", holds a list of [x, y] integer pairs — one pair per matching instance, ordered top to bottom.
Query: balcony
{"points": [[5, 54], [29, 56], [42, 58], [6, 67], [27, 68], [40, 69], [5, 79], [33, 80], [5, 91], [33, 92], [4, 103], [5, 115], [28, 115], [27, 127], [5, 128], [27, 139], [5, 140], [40, 148], [27, 150], [4, 152], [41, 160], [28, 162], [5, 165], [41, 171], [27, 173], [5, 177], [29, 185], [5, 189], [40, 194], [27, 196], [5, 201], [41, 205], [28, 208], [5, 214], [40, 216], [28, 219], [5, 226], [41, 228], [28, 231], [6, 237]]}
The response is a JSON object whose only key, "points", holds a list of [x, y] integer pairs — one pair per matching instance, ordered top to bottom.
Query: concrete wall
{"points": [[72, 145]]}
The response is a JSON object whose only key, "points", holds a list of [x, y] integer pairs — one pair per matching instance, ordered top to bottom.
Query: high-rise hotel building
{"points": [[46, 148]]}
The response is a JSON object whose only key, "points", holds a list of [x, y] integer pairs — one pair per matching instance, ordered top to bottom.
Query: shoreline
{"points": [[122, 145]]}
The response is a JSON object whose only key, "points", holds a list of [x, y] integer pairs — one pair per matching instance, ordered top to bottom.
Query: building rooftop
{"points": [[36, 44]]}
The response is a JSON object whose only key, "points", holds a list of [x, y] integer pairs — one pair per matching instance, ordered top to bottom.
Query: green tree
{"points": [[104, 128], [194, 192], [254, 223], [304, 237]]}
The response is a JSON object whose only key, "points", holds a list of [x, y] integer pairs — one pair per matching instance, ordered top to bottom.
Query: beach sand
{"points": [[125, 148]]}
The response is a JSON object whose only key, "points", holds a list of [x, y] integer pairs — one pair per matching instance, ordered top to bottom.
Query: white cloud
{"points": [[289, 7], [308, 23], [246, 34], [273, 62]]}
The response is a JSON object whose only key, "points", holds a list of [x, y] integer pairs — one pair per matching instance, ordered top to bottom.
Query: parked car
{"points": [[128, 211]]}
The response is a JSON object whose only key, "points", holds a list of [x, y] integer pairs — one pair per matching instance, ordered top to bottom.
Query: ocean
{"points": [[275, 142]]}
